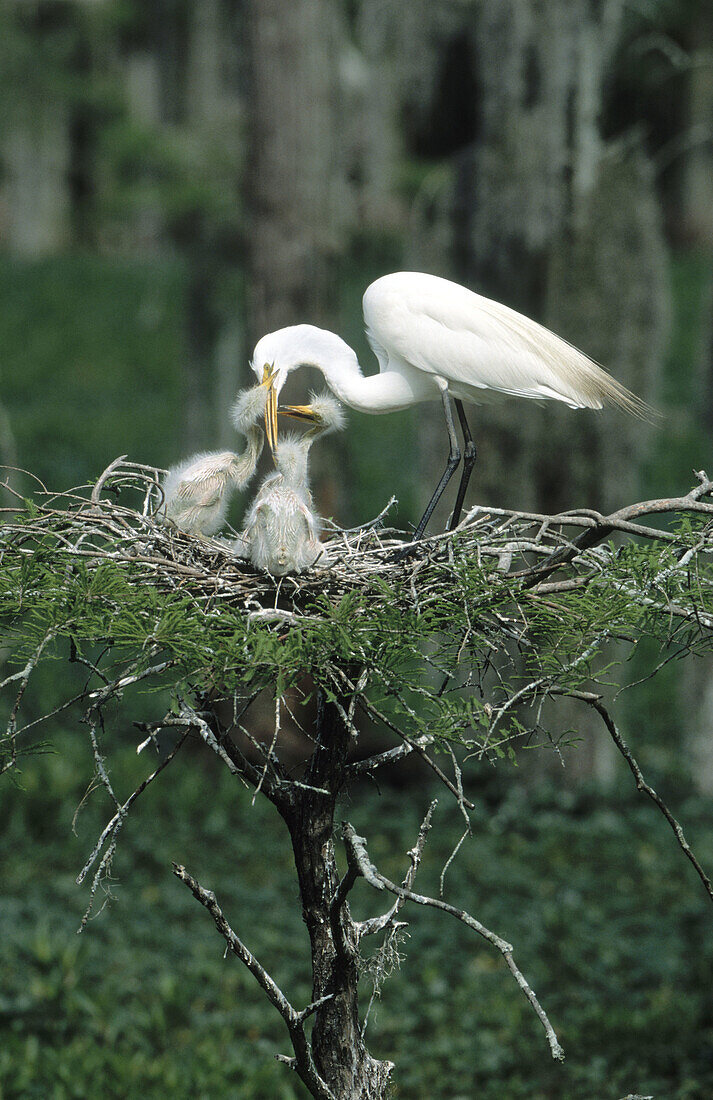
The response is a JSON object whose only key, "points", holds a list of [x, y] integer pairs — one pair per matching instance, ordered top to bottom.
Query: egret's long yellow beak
{"points": [[268, 379], [300, 412]]}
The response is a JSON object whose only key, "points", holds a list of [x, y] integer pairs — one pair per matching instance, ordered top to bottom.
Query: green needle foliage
{"points": [[446, 642], [455, 648]]}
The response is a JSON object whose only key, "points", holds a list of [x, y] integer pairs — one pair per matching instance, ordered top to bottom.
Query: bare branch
{"points": [[113, 467], [623, 519], [23, 677], [128, 678], [191, 717], [92, 719], [416, 745], [270, 753], [371, 763], [641, 784], [113, 827], [452, 856], [360, 864], [377, 924], [387, 957], [303, 1061]]}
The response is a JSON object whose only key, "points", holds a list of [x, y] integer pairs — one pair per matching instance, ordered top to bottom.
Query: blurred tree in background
{"points": [[178, 177]]}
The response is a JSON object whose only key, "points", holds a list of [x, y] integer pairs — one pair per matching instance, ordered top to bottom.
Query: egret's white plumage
{"points": [[429, 334], [436, 339], [483, 349], [197, 491], [282, 530]]}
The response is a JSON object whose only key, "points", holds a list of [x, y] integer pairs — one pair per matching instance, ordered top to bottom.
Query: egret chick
{"points": [[197, 491], [281, 527]]}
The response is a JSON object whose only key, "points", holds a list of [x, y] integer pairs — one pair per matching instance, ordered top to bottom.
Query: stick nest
{"points": [[115, 520]]}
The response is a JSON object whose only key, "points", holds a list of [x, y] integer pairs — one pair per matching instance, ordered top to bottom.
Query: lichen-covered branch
{"points": [[111, 829], [360, 864]]}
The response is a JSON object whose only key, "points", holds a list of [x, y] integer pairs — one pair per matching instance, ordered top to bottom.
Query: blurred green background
{"points": [[175, 180]]}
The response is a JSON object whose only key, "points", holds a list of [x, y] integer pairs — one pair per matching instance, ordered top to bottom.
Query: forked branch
{"points": [[112, 829], [360, 864], [303, 1063]]}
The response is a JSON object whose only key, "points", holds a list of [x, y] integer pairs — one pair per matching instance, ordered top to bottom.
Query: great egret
{"points": [[436, 339], [197, 491], [281, 527]]}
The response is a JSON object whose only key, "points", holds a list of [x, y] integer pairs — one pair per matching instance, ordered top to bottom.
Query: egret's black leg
{"points": [[469, 456], [453, 460]]}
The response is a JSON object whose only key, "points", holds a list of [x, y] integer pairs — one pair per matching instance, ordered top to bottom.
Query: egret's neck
{"points": [[388, 391], [379, 393]]}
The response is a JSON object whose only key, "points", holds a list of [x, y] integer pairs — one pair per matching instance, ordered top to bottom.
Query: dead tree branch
{"points": [[23, 677], [595, 702], [112, 829], [360, 864], [303, 1062]]}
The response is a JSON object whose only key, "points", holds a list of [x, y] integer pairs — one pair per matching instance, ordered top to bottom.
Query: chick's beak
{"points": [[269, 375], [300, 412]]}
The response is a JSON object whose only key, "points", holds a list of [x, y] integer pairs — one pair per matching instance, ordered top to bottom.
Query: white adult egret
{"points": [[436, 339], [197, 491], [281, 527]]}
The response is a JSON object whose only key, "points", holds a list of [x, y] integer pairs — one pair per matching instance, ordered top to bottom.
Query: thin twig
{"points": [[23, 676], [416, 746], [371, 763], [641, 784], [113, 827], [387, 956]]}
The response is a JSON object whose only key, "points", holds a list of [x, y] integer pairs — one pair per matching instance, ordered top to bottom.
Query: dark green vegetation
{"points": [[78, 334], [607, 918]]}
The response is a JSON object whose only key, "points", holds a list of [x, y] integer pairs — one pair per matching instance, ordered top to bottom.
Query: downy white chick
{"points": [[197, 491], [281, 527]]}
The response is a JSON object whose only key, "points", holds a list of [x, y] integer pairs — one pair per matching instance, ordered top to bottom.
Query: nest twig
{"points": [[116, 519]]}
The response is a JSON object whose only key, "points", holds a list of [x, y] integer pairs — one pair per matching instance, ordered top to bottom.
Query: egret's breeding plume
{"points": [[435, 340], [197, 491], [282, 530]]}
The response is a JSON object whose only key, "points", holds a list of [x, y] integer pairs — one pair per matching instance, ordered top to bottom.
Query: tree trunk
{"points": [[204, 63], [379, 140], [36, 151], [698, 162], [295, 165], [143, 229], [338, 1049]]}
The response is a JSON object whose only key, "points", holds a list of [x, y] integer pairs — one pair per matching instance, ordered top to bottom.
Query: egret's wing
{"points": [[477, 344], [205, 473], [205, 492], [304, 509]]}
